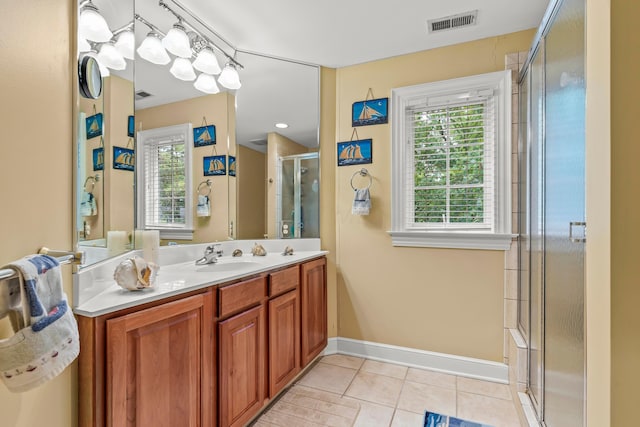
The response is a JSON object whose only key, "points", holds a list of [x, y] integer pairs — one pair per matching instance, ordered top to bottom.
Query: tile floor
{"points": [[349, 391]]}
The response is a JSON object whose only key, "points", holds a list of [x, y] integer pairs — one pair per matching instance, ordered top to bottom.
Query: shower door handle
{"points": [[577, 224]]}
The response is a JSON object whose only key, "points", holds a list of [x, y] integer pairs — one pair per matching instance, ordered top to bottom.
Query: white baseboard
{"points": [[441, 362]]}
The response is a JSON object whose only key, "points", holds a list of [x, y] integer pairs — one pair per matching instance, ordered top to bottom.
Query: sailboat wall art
{"points": [[370, 112], [94, 125], [204, 135], [356, 152], [124, 159], [215, 165]]}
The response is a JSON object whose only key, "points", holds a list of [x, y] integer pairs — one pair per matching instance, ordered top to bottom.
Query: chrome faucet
{"points": [[211, 254]]}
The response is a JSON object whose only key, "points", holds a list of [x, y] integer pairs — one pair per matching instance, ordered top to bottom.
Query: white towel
{"points": [[361, 202], [88, 205], [204, 206], [49, 342]]}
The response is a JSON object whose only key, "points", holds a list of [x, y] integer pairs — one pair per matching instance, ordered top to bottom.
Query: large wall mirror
{"points": [[269, 126]]}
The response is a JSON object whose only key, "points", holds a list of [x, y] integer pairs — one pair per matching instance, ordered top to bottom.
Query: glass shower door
{"points": [[564, 212]]}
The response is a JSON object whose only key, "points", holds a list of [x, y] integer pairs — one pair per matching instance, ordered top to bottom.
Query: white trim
{"points": [[401, 98], [176, 234], [441, 362]]}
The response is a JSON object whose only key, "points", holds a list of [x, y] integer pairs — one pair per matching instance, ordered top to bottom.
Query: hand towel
{"points": [[361, 202], [88, 205], [204, 206], [49, 341]]}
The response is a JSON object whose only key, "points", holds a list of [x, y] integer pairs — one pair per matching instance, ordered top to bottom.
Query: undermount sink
{"points": [[227, 266]]}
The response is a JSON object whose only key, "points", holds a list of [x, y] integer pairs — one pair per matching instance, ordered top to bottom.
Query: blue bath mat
{"points": [[431, 419]]}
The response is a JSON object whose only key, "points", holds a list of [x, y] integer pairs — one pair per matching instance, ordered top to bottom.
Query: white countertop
{"points": [[185, 277]]}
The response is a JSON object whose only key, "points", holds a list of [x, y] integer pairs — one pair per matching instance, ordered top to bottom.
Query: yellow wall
{"points": [[214, 108], [277, 146], [35, 170], [251, 178], [625, 213], [448, 301]]}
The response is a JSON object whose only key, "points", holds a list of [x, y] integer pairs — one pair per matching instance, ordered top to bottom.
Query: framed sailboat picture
{"points": [[370, 112], [94, 125], [131, 127], [204, 135], [356, 152], [123, 158], [98, 159], [215, 165], [232, 165]]}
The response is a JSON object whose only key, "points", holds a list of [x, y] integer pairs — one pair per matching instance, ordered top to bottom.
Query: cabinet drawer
{"points": [[284, 280], [241, 295]]}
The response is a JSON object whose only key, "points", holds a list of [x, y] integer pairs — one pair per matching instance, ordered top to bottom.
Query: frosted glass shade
{"points": [[92, 26], [177, 42], [125, 44], [83, 45], [152, 50], [110, 57], [206, 62], [182, 69], [229, 77], [206, 83]]}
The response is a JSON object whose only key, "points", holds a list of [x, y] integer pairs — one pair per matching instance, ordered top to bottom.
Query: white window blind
{"points": [[451, 165], [451, 173], [165, 180]]}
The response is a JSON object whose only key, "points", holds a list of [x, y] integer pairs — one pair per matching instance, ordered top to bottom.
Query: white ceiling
{"points": [[331, 33]]}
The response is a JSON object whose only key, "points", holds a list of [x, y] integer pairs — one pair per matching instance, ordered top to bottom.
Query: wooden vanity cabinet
{"points": [[313, 297], [284, 328], [242, 352], [158, 365]]}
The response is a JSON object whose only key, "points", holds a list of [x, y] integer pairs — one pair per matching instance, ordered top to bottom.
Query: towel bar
{"points": [[361, 172], [64, 257]]}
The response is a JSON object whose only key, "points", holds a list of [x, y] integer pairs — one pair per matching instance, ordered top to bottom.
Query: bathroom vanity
{"points": [[206, 347]]}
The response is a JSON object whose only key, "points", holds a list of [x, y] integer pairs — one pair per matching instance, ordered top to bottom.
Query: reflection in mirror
{"points": [[104, 192]]}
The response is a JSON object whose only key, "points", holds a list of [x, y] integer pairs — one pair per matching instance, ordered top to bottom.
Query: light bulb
{"points": [[92, 26], [177, 42], [126, 43], [152, 50], [110, 57], [206, 62], [182, 69], [229, 77], [206, 83]]}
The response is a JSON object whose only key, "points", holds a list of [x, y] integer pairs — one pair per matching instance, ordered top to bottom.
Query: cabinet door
{"points": [[313, 292], [284, 340], [242, 354], [159, 369]]}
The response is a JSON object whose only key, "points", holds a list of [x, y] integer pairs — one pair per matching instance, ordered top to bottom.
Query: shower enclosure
{"points": [[297, 208], [552, 221]]}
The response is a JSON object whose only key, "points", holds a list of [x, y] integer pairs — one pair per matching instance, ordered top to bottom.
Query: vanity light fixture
{"points": [[91, 25], [177, 42], [125, 43], [83, 45], [152, 50], [110, 57], [206, 61], [182, 69], [104, 71], [229, 77], [206, 83], [281, 125]]}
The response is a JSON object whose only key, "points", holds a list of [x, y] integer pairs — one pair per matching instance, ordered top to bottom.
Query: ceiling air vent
{"points": [[453, 21], [142, 94], [259, 142]]}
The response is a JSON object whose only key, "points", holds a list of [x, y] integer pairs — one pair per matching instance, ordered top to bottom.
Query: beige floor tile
{"points": [[343, 360], [387, 369], [424, 376], [327, 377], [375, 388], [486, 388], [418, 398], [318, 400], [487, 410], [372, 414], [324, 416], [273, 417], [407, 419]]}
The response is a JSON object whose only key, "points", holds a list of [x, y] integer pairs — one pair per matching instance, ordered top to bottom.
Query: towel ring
{"points": [[362, 172], [94, 179], [208, 184]]}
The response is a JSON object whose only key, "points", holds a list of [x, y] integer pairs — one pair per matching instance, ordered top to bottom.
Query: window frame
{"points": [[498, 87], [183, 232]]}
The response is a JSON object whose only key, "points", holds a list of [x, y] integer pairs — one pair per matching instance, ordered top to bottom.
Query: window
{"points": [[451, 163], [164, 181]]}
